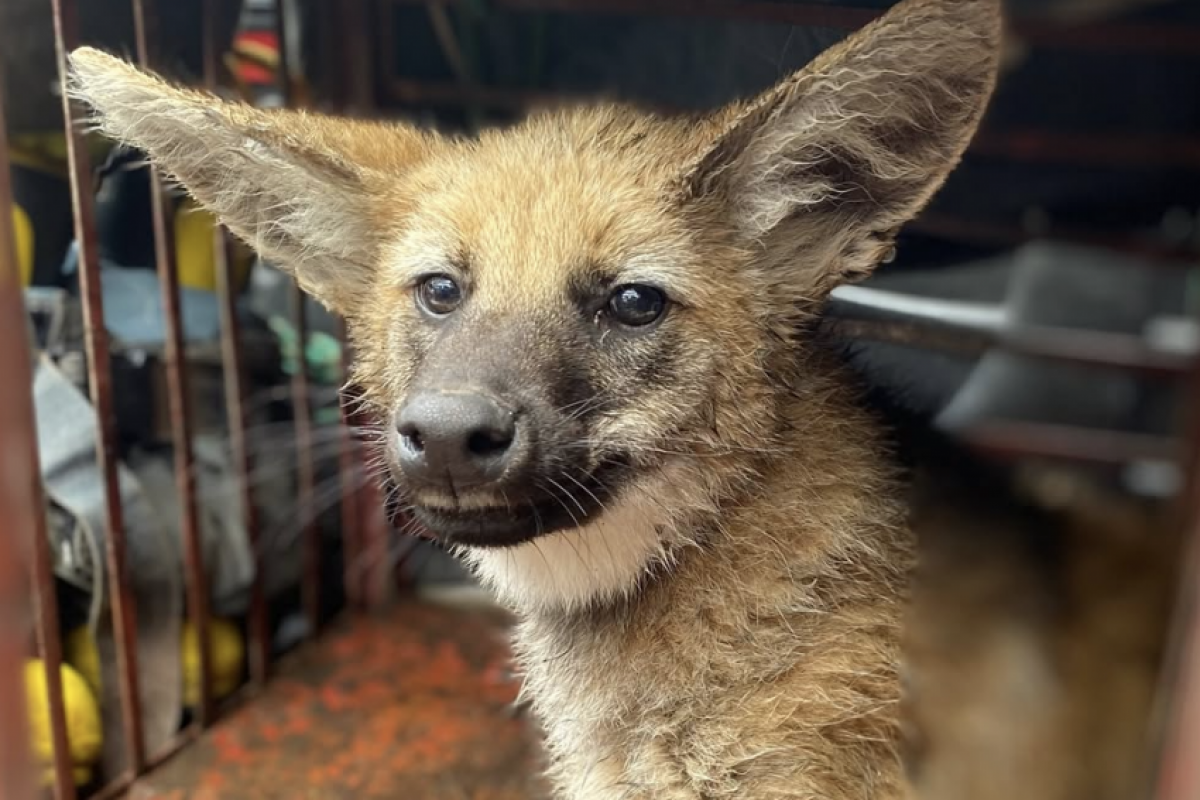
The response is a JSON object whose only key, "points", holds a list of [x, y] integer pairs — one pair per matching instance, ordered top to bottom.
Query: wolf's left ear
{"points": [[823, 168], [306, 191]]}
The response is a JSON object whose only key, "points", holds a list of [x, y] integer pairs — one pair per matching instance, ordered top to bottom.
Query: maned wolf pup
{"points": [[593, 336]]}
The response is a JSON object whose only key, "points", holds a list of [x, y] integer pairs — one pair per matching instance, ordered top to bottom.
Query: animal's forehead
{"points": [[536, 213]]}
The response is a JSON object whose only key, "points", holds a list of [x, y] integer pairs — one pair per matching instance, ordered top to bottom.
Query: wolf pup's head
{"points": [[583, 326]]}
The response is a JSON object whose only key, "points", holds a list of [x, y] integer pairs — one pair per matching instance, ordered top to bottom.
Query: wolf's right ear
{"points": [[821, 170], [297, 187]]}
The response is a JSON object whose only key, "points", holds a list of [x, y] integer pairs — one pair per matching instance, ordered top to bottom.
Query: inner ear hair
{"points": [[859, 141], [293, 185]]}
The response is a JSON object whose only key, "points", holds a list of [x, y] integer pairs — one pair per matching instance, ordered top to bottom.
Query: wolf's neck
{"points": [[766, 605]]}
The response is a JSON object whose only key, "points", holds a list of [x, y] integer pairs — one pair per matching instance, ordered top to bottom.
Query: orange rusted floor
{"points": [[410, 705]]}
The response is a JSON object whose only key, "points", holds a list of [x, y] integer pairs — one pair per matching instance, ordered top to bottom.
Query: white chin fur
{"points": [[578, 567]]}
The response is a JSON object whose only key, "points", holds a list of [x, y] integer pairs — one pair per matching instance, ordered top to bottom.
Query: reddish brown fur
{"points": [[730, 626], [1034, 674]]}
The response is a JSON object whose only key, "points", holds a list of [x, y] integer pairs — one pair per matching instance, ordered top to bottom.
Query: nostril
{"points": [[410, 436], [461, 437], [489, 442]]}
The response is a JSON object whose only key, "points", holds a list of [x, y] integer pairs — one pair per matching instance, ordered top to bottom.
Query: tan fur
{"points": [[731, 625], [764, 667], [1033, 676]]}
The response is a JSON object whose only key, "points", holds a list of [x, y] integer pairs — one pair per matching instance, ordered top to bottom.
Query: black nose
{"points": [[465, 438]]}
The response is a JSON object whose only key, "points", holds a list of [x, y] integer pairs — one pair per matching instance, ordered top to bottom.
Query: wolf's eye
{"points": [[439, 294], [636, 305]]}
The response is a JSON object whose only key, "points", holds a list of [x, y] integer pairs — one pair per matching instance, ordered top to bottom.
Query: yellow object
{"points": [[44, 152], [24, 232], [195, 249], [226, 648], [79, 650], [227, 652], [85, 734]]}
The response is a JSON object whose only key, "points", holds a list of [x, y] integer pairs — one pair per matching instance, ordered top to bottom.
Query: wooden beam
{"points": [[1112, 37], [1027, 145]]}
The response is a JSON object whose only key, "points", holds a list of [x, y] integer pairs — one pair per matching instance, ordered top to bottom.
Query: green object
{"points": [[322, 352]]}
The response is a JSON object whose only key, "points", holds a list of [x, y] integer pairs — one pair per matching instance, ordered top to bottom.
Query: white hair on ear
{"points": [[857, 143], [292, 184]]}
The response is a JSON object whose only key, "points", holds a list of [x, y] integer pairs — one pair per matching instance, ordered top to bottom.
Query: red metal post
{"points": [[66, 36], [1111, 37], [359, 56], [356, 97], [235, 398], [301, 404], [181, 434], [1018, 439], [350, 461], [305, 472], [22, 508], [376, 530], [1179, 769], [1178, 775]]}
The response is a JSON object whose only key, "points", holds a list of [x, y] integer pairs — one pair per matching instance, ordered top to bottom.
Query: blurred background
{"points": [[195, 438]]}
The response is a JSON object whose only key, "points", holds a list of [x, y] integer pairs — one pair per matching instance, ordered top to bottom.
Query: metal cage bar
{"points": [[66, 34], [1123, 37], [351, 68], [177, 393], [301, 399], [235, 400], [350, 464], [305, 472], [22, 506], [1179, 769], [1178, 775]]}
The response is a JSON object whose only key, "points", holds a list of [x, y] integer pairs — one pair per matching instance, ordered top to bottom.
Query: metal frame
{"points": [[21, 502], [23, 508]]}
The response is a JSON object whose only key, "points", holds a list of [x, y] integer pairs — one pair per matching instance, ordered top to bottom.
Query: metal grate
{"points": [[26, 577]]}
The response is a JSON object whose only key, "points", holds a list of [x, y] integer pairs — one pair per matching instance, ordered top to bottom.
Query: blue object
{"points": [[133, 310]]}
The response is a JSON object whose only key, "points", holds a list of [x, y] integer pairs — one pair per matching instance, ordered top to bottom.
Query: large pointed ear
{"points": [[822, 169], [300, 188]]}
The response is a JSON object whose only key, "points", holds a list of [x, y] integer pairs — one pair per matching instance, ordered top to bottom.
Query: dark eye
{"points": [[439, 294], [636, 305]]}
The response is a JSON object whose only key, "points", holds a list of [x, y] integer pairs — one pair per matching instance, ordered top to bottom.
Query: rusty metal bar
{"points": [[808, 14], [1126, 37], [1158, 39], [359, 57], [438, 93], [356, 96], [1028, 146], [1110, 150], [990, 233], [1085, 348], [1095, 349], [235, 396], [179, 401], [301, 402], [235, 405], [1012, 439], [350, 464], [305, 473], [23, 509], [376, 528], [124, 612], [15, 764], [1179, 768], [1178, 775], [120, 787]]}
